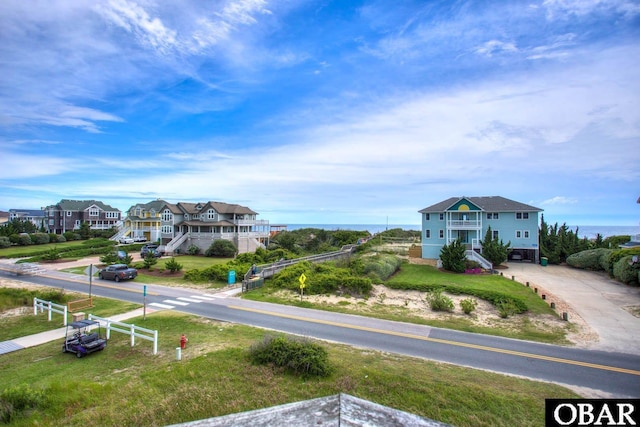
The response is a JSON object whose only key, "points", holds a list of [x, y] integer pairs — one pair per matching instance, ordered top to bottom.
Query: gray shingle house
{"points": [[68, 215]]}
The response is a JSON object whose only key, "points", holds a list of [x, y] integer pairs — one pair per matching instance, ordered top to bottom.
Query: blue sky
{"points": [[323, 111]]}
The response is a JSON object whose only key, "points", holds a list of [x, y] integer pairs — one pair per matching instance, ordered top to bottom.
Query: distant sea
{"points": [[588, 231]]}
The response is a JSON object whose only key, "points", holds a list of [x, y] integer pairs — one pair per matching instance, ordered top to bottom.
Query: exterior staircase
{"points": [[121, 233], [175, 243], [475, 256]]}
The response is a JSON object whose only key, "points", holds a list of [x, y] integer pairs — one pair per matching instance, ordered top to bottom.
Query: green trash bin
{"points": [[543, 261]]}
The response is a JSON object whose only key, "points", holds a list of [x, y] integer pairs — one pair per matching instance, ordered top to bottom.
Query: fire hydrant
{"points": [[183, 341]]}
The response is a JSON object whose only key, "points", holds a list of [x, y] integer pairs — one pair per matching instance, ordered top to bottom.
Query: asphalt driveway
{"points": [[604, 304]]}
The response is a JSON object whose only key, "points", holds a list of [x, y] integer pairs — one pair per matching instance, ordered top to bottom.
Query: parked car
{"points": [[139, 239], [125, 240], [150, 248], [121, 255], [117, 272]]}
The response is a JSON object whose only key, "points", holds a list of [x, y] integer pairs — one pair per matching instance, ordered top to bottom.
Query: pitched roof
{"points": [[486, 203], [80, 205], [227, 208], [26, 212]]}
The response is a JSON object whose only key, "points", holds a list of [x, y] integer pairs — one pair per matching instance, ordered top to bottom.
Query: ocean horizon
{"points": [[588, 231]]}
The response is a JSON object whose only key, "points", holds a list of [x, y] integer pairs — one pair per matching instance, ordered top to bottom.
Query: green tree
{"points": [[85, 230], [493, 249], [453, 256], [150, 260], [172, 265]]}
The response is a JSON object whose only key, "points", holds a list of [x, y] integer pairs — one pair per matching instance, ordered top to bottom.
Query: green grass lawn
{"points": [[125, 385]]}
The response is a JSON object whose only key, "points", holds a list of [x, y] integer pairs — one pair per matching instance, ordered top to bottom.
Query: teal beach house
{"points": [[468, 218]]}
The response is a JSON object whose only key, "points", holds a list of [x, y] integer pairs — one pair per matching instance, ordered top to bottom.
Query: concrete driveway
{"points": [[604, 304]]}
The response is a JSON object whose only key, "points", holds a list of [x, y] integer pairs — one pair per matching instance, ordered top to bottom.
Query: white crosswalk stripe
{"points": [[203, 298], [188, 299], [172, 301], [157, 304]]}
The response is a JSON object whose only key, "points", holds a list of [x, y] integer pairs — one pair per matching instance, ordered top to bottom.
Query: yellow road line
{"points": [[448, 342]]}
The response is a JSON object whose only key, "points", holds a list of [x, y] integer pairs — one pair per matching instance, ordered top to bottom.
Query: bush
{"points": [[70, 236], [40, 238], [61, 238], [24, 240], [4, 242], [222, 249], [193, 250], [52, 255], [453, 256], [109, 258], [590, 259], [172, 265], [381, 267], [626, 271], [215, 273], [439, 302], [468, 305], [507, 308], [295, 355], [18, 398]]}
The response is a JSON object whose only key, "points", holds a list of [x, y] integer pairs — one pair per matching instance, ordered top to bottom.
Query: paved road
{"points": [[597, 299], [615, 374]]}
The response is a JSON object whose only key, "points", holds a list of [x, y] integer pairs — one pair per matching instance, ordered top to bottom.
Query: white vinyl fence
{"points": [[50, 307], [133, 330]]}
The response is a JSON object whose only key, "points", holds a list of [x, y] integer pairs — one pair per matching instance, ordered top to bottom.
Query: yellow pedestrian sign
{"points": [[302, 279]]}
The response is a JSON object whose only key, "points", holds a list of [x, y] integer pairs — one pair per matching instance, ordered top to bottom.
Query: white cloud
{"points": [[493, 47], [559, 200]]}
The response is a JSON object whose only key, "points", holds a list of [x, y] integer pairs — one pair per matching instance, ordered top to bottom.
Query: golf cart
{"points": [[80, 340]]}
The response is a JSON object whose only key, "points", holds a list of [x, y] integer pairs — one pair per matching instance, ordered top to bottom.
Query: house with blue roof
{"points": [[35, 216], [468, 219]]}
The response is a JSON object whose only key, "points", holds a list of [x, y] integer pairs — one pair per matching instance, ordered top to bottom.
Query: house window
{"points": [[94, 212], [68, 213], [112, 214], [211, 214], [166, 215], [489, 215], [492, 215], [495, 215], [522, 215], [186, 217], [426, 217], [441, 217], [77, 224], [167, 229], [427, 234], [442, 234], [496, 234], [518, 234], [526, 234]]}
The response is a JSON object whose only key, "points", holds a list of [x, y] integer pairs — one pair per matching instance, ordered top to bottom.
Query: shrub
{"points": [[70, 236], [40, 238], [61, 238], [24, 240], [4, 242], [221, 248], [193, 250], [52, 255], [453, 256], [590, 259], [149, 260], [172, 265], [381, 267], [626, 271], [215, 273], [439, 302], [468, 305], [507, 308], [295, 355], [18, 398]]}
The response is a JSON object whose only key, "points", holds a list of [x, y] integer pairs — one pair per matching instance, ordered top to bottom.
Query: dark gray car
{"points": [[117, 272]]}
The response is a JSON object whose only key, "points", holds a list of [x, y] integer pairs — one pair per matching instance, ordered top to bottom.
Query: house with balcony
{"points": [[68, 215], [34, 216], [468, 219], [143, 222], [177, 226]]}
